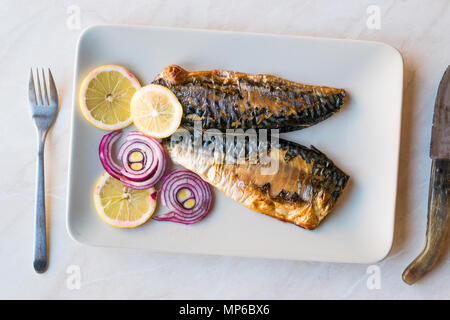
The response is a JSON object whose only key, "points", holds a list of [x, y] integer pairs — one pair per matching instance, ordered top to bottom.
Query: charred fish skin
{"points": [[231, 100], [302, 191]]}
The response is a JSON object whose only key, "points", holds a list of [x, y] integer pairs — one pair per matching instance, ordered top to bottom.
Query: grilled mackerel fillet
{"points": [[231, 100], [302, 191]]}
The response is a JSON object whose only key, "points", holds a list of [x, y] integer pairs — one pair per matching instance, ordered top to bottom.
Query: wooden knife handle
{"points": [[438, 207]]}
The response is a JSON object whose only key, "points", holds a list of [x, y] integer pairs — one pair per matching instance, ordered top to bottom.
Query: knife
{"points": [[438, 199]]}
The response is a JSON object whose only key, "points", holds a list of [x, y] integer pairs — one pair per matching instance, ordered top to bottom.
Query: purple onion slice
{"points": [[142, 159], [186, 195]]}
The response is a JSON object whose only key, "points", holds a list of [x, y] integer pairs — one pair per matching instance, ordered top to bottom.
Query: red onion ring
{"points": [[105, 151], [153, 162], [149, 166], [200, 192]]}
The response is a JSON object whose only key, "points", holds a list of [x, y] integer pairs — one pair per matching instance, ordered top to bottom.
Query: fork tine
{"points": [[31, 89], [45, 92], [53, 92], [40, 101]]}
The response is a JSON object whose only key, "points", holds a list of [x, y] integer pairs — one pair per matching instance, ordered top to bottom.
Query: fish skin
{"points": [[231, 100], [303, 191]]}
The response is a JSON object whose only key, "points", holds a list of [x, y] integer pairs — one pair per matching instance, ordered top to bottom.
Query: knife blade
{"points": [[440, 133], [438, 200]]}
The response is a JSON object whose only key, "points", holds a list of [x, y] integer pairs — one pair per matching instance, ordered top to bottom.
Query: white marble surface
{"points": [[35, 33]]}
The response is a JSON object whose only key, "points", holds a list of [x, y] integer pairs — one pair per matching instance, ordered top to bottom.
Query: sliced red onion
{"points": [[105, 153], [149, 162], [151, 166], [200, 197]]}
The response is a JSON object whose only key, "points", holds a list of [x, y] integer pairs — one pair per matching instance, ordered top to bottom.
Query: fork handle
{"points": [[40, 244]]}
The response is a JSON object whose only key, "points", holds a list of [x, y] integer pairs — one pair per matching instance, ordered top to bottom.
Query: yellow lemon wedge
{"points": [[105, 96], [156, 111], [121, 206]]}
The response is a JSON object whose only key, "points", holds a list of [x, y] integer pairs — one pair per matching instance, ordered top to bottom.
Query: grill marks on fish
{"points": [[231, 100], [302, 191]]}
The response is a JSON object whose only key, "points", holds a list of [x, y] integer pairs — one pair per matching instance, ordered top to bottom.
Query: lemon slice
{"points": [[105, 96], [156, 111], [121, 206]]}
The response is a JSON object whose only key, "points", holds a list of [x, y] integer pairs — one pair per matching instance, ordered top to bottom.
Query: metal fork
{"points": [[44, 107]]}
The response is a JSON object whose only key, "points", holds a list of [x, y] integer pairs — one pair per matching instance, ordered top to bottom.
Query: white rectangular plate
{"points": [[362, 139]]}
